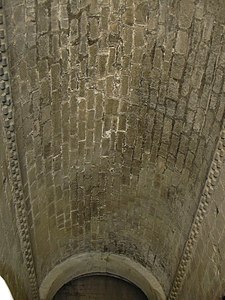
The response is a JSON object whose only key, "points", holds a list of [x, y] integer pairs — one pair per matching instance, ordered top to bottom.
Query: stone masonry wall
{"points": [[118, 108], [12, 268], [206, 278]]}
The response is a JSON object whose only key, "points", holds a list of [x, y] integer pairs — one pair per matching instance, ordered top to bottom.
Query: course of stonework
{"points": [[112, 139]]}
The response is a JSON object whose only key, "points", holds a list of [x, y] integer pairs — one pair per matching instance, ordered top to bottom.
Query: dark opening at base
{"points": [[99, 287]]}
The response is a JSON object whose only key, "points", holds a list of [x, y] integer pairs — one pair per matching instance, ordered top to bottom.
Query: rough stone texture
{"points": [[7, 110], [118, 111], [205, 199], [12, 268], [206, 278], [99, 288]]}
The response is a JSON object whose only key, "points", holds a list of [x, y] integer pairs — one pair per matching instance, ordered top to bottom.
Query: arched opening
{"points": [[102, 264], [101, 287]]}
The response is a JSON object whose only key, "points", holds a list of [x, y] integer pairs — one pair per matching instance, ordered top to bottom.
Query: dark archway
{"points": [[87, 264], [99, 287]]}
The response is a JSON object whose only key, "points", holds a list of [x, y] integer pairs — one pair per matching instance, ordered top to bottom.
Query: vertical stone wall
{"points": [[12, 267], [206, 277]]}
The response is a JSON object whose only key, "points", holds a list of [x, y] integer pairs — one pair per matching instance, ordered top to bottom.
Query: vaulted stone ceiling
{"points": [[118, 110]]}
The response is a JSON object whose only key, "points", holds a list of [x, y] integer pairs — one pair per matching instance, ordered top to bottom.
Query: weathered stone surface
{"points": [[118, 108], [12, 267], [205, 278]]}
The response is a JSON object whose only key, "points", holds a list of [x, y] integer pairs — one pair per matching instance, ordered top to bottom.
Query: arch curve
{"points": [[107, 263]]}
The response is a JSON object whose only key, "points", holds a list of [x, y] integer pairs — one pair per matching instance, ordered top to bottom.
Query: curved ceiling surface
{"points": [[118, 110]]}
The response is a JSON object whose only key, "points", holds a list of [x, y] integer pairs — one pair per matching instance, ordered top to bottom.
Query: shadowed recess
{"points": [[99, 287]]}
